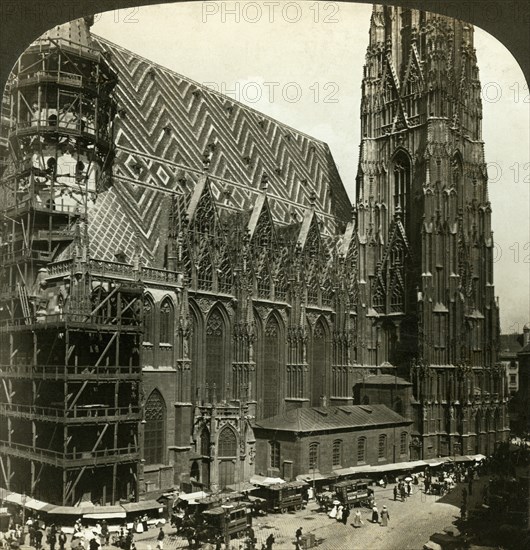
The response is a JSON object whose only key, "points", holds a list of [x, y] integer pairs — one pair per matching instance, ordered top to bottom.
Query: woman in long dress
{"points": [[340, 510], [333, 513], [375, 514], [385, 516], [357, 519]]}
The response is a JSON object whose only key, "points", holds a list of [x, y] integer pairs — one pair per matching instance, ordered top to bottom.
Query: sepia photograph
{"points": [[265, 278]]}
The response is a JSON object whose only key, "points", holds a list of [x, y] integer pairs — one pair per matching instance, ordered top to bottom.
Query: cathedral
{"points": [[188, 297]]}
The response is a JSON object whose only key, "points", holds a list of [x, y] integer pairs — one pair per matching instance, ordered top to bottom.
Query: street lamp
{"points": [[23, 499], [226, 508]]}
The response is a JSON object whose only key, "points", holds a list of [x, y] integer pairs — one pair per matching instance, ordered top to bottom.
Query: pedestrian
{"points": [[470, 486], [409, 488], [395, 492], [403, 493], [464, 494], [340, 511], [463, 511], [333, 512], [345, 514], [375, 514], [385, 516], [357, 519], [32, 534], [298, 536], [251, 538], [38, 539], [52, 539], [160, 539], [62, 540], [270, 541], [93, 544]]}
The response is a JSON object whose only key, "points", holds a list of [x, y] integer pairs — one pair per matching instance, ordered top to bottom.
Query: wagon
{"points": [[354, 491], [283, 497], [227, 521]]}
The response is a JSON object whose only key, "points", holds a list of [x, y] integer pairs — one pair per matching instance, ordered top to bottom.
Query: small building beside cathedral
{"points": [[322, 441]]}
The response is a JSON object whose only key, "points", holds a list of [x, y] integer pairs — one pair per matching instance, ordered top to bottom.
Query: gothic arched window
{"points": [[402, 180], [205, 273], [167, 316], [149, 320], [215, 352], [319, 361], [272, 367], [154, 428], [205, 442], [227, 443]]}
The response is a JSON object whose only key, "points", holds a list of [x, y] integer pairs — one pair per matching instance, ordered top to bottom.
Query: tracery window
{"points": [[402, 187], [205, 273], [149, 320], [166, 322], [215, 352], [154, 428], [205, 442], [227, 443]]}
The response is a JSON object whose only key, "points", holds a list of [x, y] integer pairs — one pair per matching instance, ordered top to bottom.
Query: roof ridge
{"points": [[210, 90]]}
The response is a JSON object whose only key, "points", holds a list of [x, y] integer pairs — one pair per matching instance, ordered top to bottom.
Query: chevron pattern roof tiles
{"points": [[167, 122]]}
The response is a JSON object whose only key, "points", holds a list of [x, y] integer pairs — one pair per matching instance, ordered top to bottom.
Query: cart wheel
{"points": [[298, 507], [283, 510]]}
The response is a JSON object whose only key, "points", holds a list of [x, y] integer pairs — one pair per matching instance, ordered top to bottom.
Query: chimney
{"points": [[526, 335]]}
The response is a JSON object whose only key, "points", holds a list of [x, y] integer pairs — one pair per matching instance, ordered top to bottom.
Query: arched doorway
{"points": [[227, 454], [205, 457]]}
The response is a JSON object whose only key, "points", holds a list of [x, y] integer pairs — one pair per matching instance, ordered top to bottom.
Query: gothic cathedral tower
{"points": [[425, 263]]}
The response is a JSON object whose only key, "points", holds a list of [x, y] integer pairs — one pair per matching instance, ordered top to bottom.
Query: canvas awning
{"points": [[478, 457], [437, 461], [308, 478], [263, 481], [14, 498], [192, 498], [34, 504], [142, 506], [64, 510], [104, 512]]}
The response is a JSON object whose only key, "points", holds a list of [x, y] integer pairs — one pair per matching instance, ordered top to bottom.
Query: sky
{"points": [[302, 63]]}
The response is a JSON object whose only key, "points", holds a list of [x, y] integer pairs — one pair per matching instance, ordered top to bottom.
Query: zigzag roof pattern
{"points": [[167, 124]]}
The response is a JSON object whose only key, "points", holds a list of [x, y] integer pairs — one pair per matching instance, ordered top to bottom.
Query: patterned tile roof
{"points": [[167, 123], [316, 419]]}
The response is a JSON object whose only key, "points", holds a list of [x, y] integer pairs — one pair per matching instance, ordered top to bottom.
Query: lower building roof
{"points": [[312, 419]]}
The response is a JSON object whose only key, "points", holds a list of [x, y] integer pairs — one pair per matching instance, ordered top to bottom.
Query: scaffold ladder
{"points": [[23, 295]]}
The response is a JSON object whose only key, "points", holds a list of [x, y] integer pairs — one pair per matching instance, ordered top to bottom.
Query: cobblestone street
{"points": [[411, 524]]}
